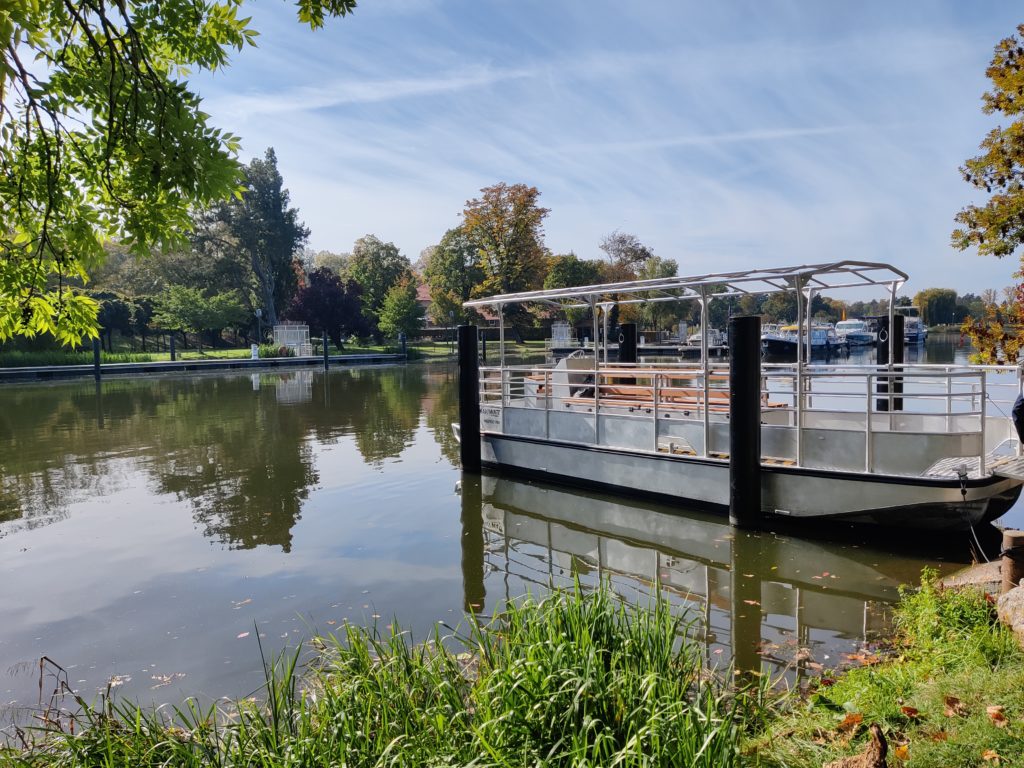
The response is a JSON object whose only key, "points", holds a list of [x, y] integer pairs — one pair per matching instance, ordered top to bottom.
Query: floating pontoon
{"points": [[923, 446]]}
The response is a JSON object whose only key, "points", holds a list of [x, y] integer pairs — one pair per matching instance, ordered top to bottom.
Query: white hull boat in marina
{"points": [[856, 333], [916, 446]]}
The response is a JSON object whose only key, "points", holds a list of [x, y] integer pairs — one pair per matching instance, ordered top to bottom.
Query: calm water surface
{"points": [[150, 528]]}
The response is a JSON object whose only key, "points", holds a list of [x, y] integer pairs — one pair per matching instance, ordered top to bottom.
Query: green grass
{"points": [[20, 359], [948, 645], [571, 680]]}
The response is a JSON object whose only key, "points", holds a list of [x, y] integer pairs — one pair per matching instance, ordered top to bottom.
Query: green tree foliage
{"points": [[102, 138], [261, 228], [336, 262], [377, 267], [569, 271], [452, 272], [326, 303], [938, 305], [180, 308], [401, 313], [656, 315]]}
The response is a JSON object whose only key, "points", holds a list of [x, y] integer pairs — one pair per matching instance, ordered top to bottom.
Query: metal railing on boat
{"points": [[935, 402]]}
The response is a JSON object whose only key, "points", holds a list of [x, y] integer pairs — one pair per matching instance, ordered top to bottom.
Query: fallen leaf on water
{"points": [[751, 602], [240, 603], [332, 622], [241, 635], [954, 707], [910, 712], [995, 714], [851, 721], [902, 751], [991, 754]]}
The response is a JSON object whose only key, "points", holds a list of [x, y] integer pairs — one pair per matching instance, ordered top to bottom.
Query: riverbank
{"points": [[17, 366], [572, 679], [948, 691]]}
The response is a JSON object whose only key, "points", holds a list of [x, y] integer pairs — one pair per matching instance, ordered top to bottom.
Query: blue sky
{"points": [[725, 135]]}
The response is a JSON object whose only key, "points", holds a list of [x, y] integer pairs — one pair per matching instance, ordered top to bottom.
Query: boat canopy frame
{"points": [[805, 280]]}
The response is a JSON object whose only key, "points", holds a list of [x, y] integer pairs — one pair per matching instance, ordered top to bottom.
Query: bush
{"points": [[272, 350]]}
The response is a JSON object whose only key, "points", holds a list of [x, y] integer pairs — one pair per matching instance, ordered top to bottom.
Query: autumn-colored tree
{"points": [[506, 225], [997, 226], [626, 255]]}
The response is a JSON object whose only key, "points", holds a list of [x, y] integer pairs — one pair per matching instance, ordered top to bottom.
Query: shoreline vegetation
{"points": [[416, 352], [578, 678]]}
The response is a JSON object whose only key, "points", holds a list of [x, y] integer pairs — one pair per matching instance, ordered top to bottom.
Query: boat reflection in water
{"points": [[764, 601]]}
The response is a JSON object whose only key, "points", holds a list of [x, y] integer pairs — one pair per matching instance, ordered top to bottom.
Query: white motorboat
{"points": [[914, 331], [855, 333], [783, 341], [900, 445]]}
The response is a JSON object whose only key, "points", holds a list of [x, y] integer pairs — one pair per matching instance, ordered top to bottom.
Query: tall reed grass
{"points": [[574, 679]]}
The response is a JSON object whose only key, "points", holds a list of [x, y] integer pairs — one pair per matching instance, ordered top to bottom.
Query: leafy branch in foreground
{"points": [[102, 138]]}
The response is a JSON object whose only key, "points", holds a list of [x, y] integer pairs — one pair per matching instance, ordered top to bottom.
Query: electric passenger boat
{"points": [[910, 445]]}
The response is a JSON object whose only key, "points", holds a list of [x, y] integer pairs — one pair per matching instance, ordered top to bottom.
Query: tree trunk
{"points": [[266, 281]]}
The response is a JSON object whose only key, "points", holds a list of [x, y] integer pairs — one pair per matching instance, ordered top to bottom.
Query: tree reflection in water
{"points": [[240, 449]]}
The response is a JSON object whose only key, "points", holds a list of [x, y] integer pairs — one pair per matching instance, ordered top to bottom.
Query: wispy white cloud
{"points": [[361, 91], [778, 132]]}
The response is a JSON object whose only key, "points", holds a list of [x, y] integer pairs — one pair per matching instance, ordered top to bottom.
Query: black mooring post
{"points": [[890, 336], [898, 342], [627, 348], [96, 358], [327, 359], [469, 399], [745, 421]]}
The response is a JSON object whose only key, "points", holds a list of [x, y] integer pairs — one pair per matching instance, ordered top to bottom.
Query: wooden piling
{"points": [[327, 359], [469, 399], [745, 422], [1012, 565]]}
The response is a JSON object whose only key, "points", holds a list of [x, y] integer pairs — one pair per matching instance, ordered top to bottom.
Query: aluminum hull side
{"points": [[790, 493]]}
